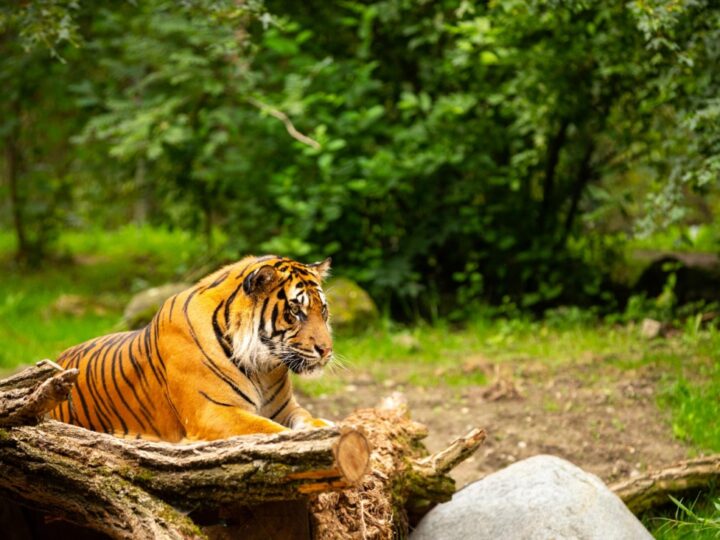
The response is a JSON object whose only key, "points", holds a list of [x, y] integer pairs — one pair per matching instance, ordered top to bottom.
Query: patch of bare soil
{"points": [[595, 415]]}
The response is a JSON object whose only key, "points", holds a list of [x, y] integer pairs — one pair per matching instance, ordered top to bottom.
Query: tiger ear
{"points": [[322, 267], [258, 280]]}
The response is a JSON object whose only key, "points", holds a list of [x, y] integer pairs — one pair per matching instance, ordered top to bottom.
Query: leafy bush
{"points": [[444, 153]]}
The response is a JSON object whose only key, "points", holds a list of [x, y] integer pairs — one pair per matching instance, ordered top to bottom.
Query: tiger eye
{"points": [[297, 312]]}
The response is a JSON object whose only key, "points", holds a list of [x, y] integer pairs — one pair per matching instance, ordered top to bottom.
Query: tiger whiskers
{"points": [[298, 360], [338, 362]]}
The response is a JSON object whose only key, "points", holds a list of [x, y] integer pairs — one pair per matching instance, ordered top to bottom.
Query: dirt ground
{"points": [[597, 416]]}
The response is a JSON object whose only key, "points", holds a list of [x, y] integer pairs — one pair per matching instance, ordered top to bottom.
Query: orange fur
{"points": [[213, 362]]}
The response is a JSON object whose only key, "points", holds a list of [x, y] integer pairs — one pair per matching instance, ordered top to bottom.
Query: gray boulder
{"points": [[143, 306], [351, 307], [543, 497]]}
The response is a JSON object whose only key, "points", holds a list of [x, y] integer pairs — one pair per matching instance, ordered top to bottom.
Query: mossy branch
{"points": [[653, 489]]}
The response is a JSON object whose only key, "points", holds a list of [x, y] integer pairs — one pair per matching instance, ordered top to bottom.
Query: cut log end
{"points": [[352, 453], [403, 484]]}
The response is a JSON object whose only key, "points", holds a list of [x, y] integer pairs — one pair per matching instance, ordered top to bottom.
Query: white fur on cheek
{"points": [[249, 350]]}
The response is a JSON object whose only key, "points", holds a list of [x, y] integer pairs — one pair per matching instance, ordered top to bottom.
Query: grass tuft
{"points": [[698, 519]]}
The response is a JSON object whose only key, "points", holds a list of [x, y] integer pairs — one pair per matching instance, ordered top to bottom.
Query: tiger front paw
{"points": [[312, 423]]}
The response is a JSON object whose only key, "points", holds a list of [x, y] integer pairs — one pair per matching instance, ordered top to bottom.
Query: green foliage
{"points": [[44, 24], [172, 112], [36, 121], [461, 152], [446, 154], [702, 238]]}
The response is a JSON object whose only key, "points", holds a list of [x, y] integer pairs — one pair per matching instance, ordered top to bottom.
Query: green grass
{"points": [[107, 269], [445, 352], [694, 399], [690, 519]]}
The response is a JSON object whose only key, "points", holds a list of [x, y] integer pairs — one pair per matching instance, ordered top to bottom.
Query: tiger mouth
{"points": [[296, 361], [300, 364]]}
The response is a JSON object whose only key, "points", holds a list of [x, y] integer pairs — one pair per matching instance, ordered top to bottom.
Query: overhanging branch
{"points": [[289, 126]]}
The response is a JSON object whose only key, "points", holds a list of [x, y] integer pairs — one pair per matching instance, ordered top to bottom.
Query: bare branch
{"points": [[291, 129], [26, 397]]}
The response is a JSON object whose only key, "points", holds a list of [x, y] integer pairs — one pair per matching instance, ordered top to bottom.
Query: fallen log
{"points": [[129, 488], [653, 489]]}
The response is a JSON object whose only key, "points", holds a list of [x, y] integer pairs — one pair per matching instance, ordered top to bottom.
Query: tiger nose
{"points": [[323, 350]]}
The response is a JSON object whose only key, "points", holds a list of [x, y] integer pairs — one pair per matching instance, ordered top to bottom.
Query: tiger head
{"points": [[289, 322]]}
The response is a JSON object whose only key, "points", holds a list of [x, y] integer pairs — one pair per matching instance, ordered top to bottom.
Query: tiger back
{"points": [[214, 361]]}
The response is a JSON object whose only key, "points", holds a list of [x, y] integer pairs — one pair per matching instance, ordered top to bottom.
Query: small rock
{"points": [[77, 306], [143, 306], [351, 308], [650, 328], [407, 341], [621, 468], [543, 497]]}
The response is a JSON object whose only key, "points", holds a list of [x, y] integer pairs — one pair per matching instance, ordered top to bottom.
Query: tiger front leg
{"points": [[217, 404], [280, 405], [296, 417], [206, 418], [307, 421], [216, 422]]}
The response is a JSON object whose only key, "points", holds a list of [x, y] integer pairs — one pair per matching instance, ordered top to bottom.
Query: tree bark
{"points": [[547, 208], [263, 468], [404, 482], [653, 489]]}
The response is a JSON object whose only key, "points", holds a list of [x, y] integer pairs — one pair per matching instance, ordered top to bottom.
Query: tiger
{"points": [[214, 361]]}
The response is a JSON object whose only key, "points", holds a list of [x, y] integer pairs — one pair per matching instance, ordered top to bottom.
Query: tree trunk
{"points": [[13, 164], [584, 175], [206, 203], [142, 205], [546, 217], [27, 396]]}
